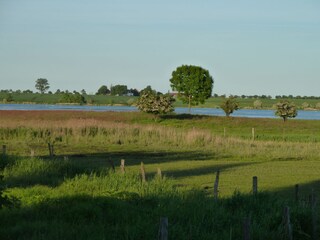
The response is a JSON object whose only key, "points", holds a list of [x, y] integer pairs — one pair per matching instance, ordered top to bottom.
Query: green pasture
{"points": [[76, 194]]}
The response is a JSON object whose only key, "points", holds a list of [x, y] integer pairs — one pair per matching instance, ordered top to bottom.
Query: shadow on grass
{"points": [[183, 116], [204, 170], [27, 172], [133, 215]]}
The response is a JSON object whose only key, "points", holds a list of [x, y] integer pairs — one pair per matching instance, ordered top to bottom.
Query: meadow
{"points": [[76, 194]]}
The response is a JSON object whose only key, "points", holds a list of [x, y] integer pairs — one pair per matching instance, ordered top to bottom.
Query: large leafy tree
{"points": [[194, 84], [42, 85], [230, 105], [286, 109]]}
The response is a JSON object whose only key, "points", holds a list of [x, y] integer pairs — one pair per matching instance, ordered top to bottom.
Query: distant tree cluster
{"points": [[117, 90], [74, 97], [296, 97]]}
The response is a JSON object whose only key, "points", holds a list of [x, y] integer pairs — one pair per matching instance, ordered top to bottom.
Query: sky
{"points": [[249, 46]]}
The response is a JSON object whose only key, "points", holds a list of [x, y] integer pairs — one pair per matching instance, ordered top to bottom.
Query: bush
{"points": [[151, 102], [257, 104], [229, 105]]}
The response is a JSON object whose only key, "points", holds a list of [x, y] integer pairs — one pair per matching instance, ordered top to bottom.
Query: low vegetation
{"points": [[76, 194]]}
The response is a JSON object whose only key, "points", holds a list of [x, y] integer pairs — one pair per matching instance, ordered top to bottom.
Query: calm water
{"points": [[250, 113]]}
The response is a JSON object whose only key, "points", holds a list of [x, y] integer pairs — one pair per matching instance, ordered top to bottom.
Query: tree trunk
{"points": [[189, 103]]}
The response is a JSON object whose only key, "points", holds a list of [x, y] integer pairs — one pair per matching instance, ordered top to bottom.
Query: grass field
{"points": [[76, 195]]}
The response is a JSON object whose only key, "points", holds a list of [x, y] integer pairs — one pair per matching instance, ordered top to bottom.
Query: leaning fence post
{"points": [[4, 150], [122, 165], [143, 172], [216, 185], [255, 185], [288, 228], [163, 229]]}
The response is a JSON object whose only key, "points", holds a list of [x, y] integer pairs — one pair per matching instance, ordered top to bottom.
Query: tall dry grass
{"points": [[98, 132]]}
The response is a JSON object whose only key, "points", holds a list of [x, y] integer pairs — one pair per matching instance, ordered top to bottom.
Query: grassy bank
{"points": [[214, 102], [76, 195]]}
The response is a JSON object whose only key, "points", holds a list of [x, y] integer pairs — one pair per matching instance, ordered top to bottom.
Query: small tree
{"points": [[193, 83], [42, 85], [151, 102], [257, 104], [229, 105], [305, 105], [286, 109]]}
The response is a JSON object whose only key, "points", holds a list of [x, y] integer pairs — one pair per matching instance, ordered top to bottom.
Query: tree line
{"points": [[192, 84]]}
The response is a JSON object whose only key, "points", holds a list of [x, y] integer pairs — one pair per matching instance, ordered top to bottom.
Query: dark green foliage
{"points": [[193, 83], [42, 85], [147, 89], [103, 90], [119, 90], [134, 92], [8, 98], [73, 98], [151, 102], [229, 105], [286, 109], [5, 200]]}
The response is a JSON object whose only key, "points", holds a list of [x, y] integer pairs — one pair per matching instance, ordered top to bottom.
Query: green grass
{"points": [[213, 102], [75, 195], [107, 205]]}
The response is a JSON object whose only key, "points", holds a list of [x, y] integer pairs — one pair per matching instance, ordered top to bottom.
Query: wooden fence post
{"points": [[224, 132], [253, 134], [50, 147], [4, 150], [52, 150], [32, 153], [112, 165], [122, 165], [143, 172], [159, 173], [216, 185], [255, 185], [296, 192], [287, 224], [246, 228], [163, 229]]}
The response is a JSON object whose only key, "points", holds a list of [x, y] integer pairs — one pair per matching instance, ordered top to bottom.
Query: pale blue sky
{"points": [[249, 47]]}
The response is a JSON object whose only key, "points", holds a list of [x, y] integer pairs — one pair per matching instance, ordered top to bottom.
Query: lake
{"points": [[250, 113]]}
